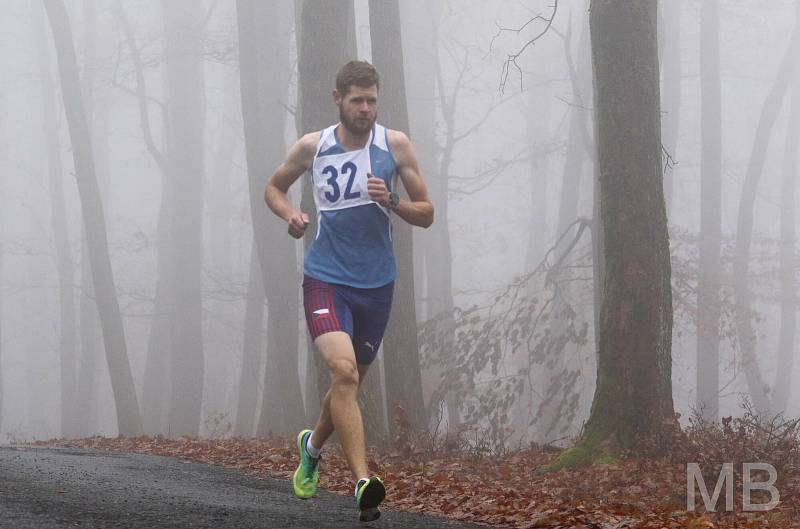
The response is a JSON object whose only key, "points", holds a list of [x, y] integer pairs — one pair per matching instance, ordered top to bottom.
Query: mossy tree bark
{"points": [[633, 399]]}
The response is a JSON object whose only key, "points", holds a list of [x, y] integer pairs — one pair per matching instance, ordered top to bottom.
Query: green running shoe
{"points": [[307, 473], [369, 494]]}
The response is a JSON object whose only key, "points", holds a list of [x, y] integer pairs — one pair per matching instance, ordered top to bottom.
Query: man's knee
{"points": [[343, 373]]}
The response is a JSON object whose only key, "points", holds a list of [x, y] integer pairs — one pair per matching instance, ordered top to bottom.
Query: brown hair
{"points": [[358, 73]]}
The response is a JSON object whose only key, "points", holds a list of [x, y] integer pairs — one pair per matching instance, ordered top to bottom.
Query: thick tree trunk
{"points": [[325, 41], [264, 60], [186, 121], [710, 239], [64, 264], [788, 282], [404, 384], [759, 390], [633, 398], [128, 418]]}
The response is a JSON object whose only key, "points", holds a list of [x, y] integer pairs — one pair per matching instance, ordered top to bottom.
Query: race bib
{"points": [[340, 180]]}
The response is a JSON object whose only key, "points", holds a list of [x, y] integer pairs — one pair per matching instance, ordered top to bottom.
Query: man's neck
{"points": [[349, 140]]}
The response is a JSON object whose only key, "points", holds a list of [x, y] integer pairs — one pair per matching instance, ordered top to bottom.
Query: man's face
{"points": [[358, 109]]}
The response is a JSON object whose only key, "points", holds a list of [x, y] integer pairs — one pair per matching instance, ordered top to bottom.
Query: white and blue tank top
{"points": [[353, 243]]}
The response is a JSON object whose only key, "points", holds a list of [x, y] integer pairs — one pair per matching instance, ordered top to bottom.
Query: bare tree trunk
{"points": [[325, 41], [264, 60], [186, 116], [537, 123], [220, 193], [2, 235], [710, 239], [64, 264], [432, 264], [788, 282], [251, 350], [156, 382], [404, 384], [634, 389], [86, 390], [759, 390], [555, 415], [128, 418]]}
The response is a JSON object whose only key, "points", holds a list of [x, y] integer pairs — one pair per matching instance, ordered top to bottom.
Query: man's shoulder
{"points": [[397, 139], [310, 140]]}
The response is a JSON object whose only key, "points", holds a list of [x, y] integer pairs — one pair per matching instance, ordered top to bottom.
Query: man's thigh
{"points": [[336, 348]]}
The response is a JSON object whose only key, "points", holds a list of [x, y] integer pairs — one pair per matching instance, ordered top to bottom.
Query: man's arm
{"points": [[300, 157], [417, 209]]}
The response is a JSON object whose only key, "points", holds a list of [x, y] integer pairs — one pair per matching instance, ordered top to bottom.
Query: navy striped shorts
{"points": [[360, 312]]}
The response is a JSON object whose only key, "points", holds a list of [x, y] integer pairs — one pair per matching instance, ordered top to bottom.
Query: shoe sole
{"points": [[371, 497], [369, 515]]}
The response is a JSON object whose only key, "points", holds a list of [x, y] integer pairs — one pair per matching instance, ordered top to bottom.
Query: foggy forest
{"points": [[613, 260]]}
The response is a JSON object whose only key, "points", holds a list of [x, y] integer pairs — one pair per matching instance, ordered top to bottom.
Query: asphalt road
{"points": [[48, 488]]}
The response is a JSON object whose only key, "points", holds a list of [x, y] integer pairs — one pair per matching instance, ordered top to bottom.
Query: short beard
{"points": [[352, 127]]}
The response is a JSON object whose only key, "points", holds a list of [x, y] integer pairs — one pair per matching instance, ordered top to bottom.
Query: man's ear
{"points": [[337, 97]]}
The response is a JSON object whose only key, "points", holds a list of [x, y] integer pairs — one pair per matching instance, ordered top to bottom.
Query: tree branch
{"points": [[511, 59]]}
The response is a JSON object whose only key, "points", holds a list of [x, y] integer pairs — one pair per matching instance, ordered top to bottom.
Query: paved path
{"points": [[48, 488]]}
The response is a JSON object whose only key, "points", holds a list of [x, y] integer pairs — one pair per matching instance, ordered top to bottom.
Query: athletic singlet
{"points": [[353, 244]]}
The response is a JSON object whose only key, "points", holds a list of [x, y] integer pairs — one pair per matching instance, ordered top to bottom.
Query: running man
{"points": [[349, 268]]}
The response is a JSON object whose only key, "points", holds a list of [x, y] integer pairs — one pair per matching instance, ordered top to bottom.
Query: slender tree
{"points": [[264, 67], [186, 122], [58, 218], [710, 239], [432, 266], [788, 280], [89, 329], [252, 347], [157, 361], [404, 386], [759, 389], [633, 398], [555, 412], [128, 418]]}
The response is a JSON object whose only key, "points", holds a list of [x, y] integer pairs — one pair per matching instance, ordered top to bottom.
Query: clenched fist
{"points": [[376, 188], [298, 223]]}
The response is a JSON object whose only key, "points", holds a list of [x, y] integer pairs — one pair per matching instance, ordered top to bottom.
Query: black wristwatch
{"points": [[394, 199]]}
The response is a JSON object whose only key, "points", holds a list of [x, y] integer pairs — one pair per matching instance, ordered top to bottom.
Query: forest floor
{"points": [[499, 491]]}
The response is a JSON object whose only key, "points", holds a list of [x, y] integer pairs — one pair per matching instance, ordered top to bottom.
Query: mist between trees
{"points": [[615, 236]]}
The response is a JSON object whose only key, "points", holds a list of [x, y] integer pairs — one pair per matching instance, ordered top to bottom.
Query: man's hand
{"points": [[377, 190], [298, 223]]}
